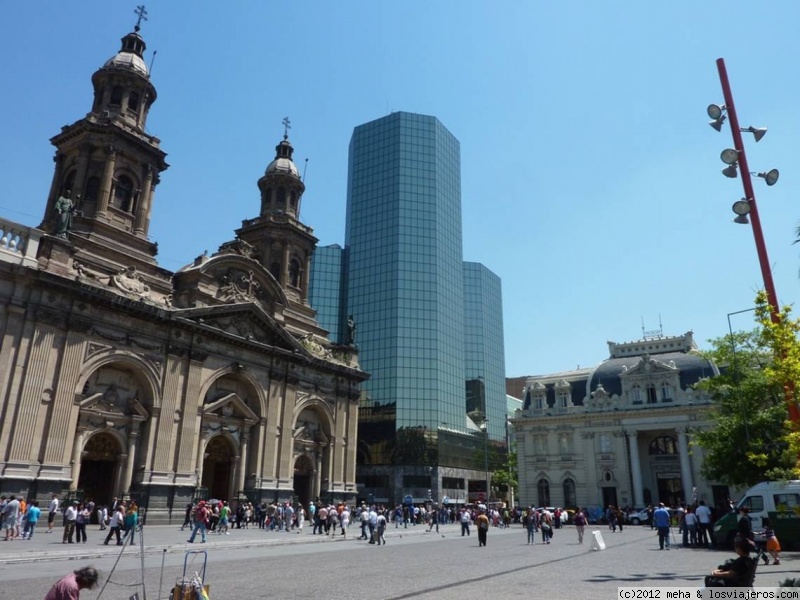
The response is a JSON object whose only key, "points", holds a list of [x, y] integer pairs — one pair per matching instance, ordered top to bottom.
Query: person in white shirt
{"points": [[703, 514], [51, 515], [70, 518], [117, 520], [690, 523]]}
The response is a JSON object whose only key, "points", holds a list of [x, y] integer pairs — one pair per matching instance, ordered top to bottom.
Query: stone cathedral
{"points": [[121, 378]]}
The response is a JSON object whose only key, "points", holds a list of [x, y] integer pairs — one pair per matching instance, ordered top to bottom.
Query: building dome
{"points": [[130, 55], [127, 60], [283, 163], [282, 166]]}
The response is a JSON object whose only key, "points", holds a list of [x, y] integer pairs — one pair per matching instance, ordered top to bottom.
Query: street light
{"points": [[737, 155], [485, 430], [508, 458]]}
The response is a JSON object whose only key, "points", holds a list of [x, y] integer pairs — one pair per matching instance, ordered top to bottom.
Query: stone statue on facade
{"points": [[65, 208], [351, 331]]}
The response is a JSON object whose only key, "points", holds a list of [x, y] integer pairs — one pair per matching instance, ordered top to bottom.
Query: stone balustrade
{"points": [[19, 244]]}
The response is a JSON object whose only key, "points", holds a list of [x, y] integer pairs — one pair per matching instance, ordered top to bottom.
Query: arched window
{"points": [[116, 95], [133, 101], [92, 187], [123, 194], [280, 202], [275, 269], [294, 273], [666, 392], [651, 394], [636, 395], [563, 399], [538, 402], [605, 443], [663, 445], [544, 492], [569, 493]]}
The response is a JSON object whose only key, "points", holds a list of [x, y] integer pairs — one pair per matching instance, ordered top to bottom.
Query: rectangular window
{"points": [[786, 501], [754, 503]]}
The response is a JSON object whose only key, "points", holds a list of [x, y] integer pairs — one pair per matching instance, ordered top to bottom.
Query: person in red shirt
{"points": [[69, 587]]}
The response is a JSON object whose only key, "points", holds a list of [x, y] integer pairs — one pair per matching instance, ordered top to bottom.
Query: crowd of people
{"points": [[20, 518]]}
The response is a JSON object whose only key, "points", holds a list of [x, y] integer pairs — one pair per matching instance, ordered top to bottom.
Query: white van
{"points": [[762, 498]]}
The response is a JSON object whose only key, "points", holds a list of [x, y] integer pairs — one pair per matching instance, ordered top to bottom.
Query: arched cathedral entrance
{"points": [[100, 468], [218, 468], [303, 474]]}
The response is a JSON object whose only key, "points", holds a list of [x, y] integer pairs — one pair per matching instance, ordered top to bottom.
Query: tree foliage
{"points": [[752, 439]]}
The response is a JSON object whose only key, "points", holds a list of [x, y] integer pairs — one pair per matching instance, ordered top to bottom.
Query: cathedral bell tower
{"points": [[110, 166], [281, 243]]}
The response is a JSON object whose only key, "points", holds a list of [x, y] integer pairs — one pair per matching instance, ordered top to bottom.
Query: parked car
{"points": [[637, 517]]}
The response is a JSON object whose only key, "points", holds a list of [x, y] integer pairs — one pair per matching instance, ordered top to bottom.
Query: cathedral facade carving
{"points": [[118, 377]]}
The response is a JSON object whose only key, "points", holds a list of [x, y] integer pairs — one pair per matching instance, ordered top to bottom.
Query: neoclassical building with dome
{"points": [[121, 378], [618, 433]]}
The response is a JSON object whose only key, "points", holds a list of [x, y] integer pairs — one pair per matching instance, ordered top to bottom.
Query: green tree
{"points": [[752, 438]]}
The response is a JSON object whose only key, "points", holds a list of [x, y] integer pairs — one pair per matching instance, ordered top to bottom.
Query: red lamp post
{"points": [[749, 201]]}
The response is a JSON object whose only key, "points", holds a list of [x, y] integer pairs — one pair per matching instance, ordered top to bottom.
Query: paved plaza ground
{"points": [[250, 564]]}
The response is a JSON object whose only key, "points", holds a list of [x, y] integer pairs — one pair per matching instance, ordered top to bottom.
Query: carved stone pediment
{"points": [[229, 277], [247, 321], [647, 366], [113, 406], [229, 408]]}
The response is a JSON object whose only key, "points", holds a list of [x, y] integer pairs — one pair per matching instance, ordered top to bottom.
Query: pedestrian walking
{"points": [[51, 514], [70, 518], [200, 520], [661, 520], [482, 524], [580, 524], [115, 525]]}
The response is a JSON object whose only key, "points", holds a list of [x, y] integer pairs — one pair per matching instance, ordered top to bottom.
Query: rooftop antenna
{"points": [[142, 13], [152, 60], [305, 168], [642, 318]]}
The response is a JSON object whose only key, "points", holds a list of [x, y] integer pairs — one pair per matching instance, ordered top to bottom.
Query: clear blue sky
{"points": [[591, 182]]}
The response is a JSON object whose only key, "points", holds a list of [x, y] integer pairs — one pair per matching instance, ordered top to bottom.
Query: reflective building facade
{"points": [[325, 289], [425, 333]]}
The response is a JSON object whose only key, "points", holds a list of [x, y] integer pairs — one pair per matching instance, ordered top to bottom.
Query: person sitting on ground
{"points": [[738, 572], [69, 587]]}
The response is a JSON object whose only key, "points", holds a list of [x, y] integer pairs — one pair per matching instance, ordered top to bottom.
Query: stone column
{"points": [[105, 185], [143, 207], [285, 266], [306, 280], [133, 437], [77, 450], [201, 451], [243, 461], [236, 463], [686, 466], [636, 468], [119, 476]]}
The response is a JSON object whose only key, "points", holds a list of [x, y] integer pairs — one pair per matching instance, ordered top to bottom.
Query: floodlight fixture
{"points": [[715, 111], [717, 123], [758, 132], [729, 156], [730, 171], [771, 177], [741, 207]]}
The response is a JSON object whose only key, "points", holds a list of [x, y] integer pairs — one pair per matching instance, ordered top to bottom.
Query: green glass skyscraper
{"points": [[406, 290]]}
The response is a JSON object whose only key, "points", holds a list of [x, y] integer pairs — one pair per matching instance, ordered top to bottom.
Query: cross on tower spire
{"points": [[142, 16], [286, 127]]}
